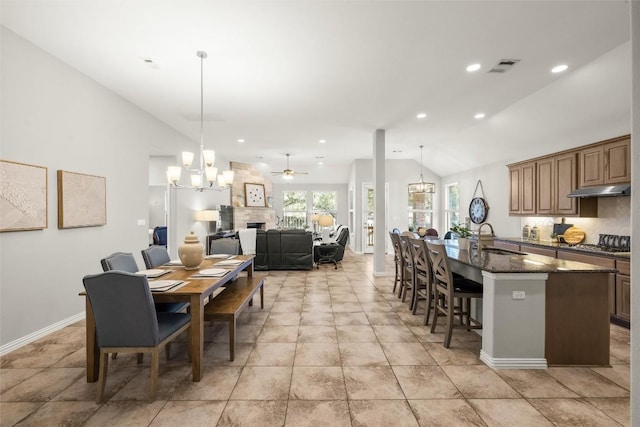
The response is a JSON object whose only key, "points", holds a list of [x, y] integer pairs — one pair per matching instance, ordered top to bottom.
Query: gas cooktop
{"points": [[607, 243], [598, 248]]}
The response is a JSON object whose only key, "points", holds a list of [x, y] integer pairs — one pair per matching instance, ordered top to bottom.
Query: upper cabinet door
{"points": [[617, 159], [606, 163], [592, 167], [565, 182], [545, 183], [522, 189], [528, 189], [514, 190]]}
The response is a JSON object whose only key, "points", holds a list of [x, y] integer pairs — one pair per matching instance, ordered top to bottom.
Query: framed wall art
{"points": [[254, 195], [23, 196], [82, 200]]}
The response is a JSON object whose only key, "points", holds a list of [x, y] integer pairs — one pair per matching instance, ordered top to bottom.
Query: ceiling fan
{"points": [[289, 173]]}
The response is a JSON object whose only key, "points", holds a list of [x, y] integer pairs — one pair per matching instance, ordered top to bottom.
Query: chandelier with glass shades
{"points": [[205, 176], [421, 187]]}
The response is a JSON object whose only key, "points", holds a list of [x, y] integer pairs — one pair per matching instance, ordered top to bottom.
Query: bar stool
{"points": [[397, 258], [407, 273], [423, 285], [446, 290]]}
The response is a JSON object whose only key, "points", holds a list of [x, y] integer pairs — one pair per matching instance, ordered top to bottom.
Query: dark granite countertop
{"points": [[565, 247], [503, 261]]}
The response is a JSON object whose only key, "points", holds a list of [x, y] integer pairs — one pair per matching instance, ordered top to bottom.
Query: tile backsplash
{"points": [[614, 217]]}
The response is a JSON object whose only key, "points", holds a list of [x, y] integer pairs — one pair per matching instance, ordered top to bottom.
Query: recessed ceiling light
{"points": [[148, 60], [473, 67], [559, 68], [421, 115], [479, 116], [241, 141], [323, 141], [397, 151], [320, 163]]}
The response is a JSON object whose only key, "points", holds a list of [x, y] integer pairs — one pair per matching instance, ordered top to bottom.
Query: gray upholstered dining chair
{"points": [[225, 246], [154, 256], [121, 261], [124, 261], [127, 322]]}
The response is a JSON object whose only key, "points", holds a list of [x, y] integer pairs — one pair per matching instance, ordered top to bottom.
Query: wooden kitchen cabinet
{"points": [[605, 163], [545, 183], [541, 187], [522, 189], [619, 284], [623, 291]]}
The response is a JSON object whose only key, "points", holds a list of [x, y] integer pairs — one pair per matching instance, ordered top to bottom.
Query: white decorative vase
{"points": [[463, 243], [191, 253]]}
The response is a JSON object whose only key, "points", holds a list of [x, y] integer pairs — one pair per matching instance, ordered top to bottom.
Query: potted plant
{"points": [[463, 234]]}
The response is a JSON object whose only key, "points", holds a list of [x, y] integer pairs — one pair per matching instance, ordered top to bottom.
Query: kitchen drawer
{"points": [[538, 250], [589, 259], [624, 267]]}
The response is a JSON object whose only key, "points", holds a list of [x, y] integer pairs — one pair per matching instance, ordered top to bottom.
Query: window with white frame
{"points": [[324, 202], [452, 205], [294, 209], [302, 209], [420, 210]]}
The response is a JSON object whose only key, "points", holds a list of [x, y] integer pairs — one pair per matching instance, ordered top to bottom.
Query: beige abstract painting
{"points": [[23, 196], [82, 200]]}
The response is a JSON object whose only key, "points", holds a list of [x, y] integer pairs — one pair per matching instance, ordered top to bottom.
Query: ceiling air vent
{"points": [[504, 65]]}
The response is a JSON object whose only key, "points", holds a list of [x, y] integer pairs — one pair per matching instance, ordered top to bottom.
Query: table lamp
{"points": [[209, 216], [326, 221]]}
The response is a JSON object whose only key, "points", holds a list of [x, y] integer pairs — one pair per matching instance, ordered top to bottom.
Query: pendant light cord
{"points": [[421, 178]]}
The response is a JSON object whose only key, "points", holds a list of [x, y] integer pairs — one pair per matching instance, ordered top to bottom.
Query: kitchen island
{"points": [[537, 311]]}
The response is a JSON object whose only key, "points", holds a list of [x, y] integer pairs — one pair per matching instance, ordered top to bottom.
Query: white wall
{"points": [[54, 116], [495, 183]]}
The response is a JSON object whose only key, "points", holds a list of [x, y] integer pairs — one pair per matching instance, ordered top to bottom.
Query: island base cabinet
{"points": [[577, 319]]}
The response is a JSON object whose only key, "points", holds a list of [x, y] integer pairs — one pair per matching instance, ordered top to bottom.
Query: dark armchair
{"points": [[160, 236], [332, 252], [127, 322]]}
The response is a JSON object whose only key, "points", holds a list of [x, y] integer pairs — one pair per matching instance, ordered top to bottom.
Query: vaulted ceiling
{"points": [[283, 75]]}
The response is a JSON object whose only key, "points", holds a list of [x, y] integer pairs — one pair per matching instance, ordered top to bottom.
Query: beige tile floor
{"points": [[331, 347]]}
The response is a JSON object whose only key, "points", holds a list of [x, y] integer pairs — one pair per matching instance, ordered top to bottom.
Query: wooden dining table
{"points": [[196, 291]]}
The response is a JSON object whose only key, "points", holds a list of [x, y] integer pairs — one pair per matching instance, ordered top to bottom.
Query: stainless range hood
{"points": [[604, 191]]}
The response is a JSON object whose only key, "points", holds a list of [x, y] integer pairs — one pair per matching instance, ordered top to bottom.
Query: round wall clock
{"points": [[478, 210]]}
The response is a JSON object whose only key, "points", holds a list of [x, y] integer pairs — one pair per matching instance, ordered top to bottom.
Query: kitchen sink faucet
{"points": [[479, 244]]}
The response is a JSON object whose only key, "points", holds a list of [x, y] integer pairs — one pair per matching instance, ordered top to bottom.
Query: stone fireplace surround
{"points": [[242, 215]]}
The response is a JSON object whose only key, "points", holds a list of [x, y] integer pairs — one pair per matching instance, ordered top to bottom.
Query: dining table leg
{"points": [[197, 336], [93, 353]]}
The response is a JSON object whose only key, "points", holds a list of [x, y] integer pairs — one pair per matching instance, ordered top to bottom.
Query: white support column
{"points": [[379, 200], [635, 211]]}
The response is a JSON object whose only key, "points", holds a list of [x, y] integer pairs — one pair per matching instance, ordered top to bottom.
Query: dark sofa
{"points": [[284, 250]]}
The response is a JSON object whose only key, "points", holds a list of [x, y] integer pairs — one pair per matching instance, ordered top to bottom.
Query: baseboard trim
{"points": [[383, 274], [20, 342], [513, 363]]}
